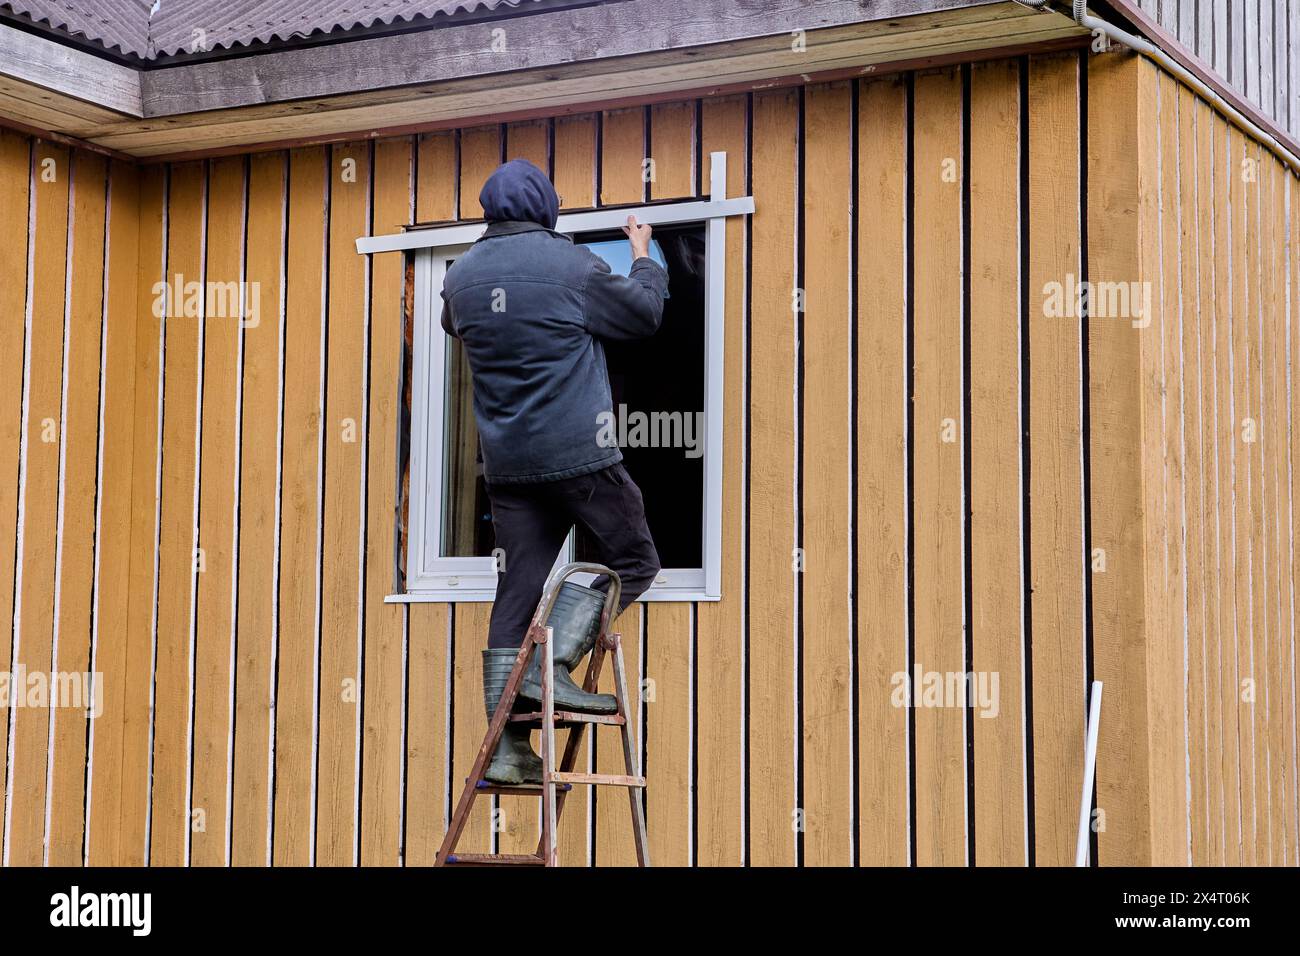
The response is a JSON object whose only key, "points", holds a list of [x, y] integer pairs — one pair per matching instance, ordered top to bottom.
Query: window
{"points": [[667, 416]]}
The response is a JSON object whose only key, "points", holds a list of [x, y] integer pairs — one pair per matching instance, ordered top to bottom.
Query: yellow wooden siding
{"points": [[923, 472], [884, 743]]}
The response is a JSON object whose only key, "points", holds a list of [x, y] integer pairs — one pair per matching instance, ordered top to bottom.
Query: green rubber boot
{"points": [[575, 625], [514, 762]]}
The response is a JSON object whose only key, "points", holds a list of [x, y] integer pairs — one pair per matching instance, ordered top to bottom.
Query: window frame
{"points": [[434, 578]]}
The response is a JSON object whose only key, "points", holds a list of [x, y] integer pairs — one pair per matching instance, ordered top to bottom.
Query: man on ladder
{"points": [[531, 309]]}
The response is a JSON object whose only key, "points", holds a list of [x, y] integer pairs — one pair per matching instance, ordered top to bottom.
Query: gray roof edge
{"points": [[192, 30]]}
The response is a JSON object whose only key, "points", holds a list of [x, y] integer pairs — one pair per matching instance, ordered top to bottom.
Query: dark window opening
{"points": [[659, 382]]}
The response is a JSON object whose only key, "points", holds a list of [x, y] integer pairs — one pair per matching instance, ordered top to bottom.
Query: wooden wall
{"points": [[1216, 220], [919, 470]]}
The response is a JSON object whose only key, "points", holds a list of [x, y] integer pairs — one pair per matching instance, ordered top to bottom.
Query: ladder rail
{"points": [[496, 726], [556, 781]]}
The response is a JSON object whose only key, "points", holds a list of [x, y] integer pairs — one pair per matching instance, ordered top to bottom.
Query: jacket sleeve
{"points": [[625, 307], [447, 325]]}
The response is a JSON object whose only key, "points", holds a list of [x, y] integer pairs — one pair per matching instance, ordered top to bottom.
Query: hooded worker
{"points": [[532, 309]]}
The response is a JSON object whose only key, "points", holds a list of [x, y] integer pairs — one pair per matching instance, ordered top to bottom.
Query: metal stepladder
{"points": [[556, 783]]}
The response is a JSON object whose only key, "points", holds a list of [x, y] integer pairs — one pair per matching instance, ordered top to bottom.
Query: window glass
{"points": [[617, 253], [466, 512]]}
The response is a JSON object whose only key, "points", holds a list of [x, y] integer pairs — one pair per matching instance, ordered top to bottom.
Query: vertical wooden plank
{"points": [[1204, 14], [1219, 15], [1187, 24], [1251, 40], [1266, 41], [1237, 45], [1293, 68], [1283, 91], [529, 140], [672, 149], [480, 154], [575, 162], [622, 174], [435, 190], [15, 194], [1121, 219], [1285, 248], [1293, 392], [1242, 414], [219, 431], [43, 436], [938, 449], [772, 468], [1055, 478], [1193, 506], [343, 519], [881, 519], [78, 535], [177, 542], [1211, 542], [300, 544], [997, 583], [1231, 617], [720, 625], [1264, 627], [1259, 629], [257, 630], [114, 637], [656, 640], [826, 668], [1269, 671], [1280, 686], [428, 707], [470, 723], [667, 747], [381, 765], [1169, 801], [122, 840]]}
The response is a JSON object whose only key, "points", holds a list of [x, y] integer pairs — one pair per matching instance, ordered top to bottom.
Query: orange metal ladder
{"points": [[556, 783]]}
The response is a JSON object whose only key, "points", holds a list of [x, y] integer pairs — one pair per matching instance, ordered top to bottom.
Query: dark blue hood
{"points": [[520, 192]]}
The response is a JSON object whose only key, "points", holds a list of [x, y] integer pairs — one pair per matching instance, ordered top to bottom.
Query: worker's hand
{"points": [[639, 238]]}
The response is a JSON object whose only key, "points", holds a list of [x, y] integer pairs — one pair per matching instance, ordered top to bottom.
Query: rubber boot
{"points": [[575, 625], [514, 762]]}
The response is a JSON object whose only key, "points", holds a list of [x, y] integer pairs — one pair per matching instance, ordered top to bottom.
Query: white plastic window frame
{"points": [[432, 577]]}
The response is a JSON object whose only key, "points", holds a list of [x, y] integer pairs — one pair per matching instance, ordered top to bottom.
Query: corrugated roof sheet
{"points": [[116, 25], [149, 29]]}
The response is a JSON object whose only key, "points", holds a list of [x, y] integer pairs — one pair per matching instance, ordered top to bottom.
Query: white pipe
{"points": [[1153, 52], [1089, 773]]}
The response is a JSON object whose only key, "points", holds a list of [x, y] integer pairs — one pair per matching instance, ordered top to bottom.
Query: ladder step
{"points": [[570, 717], [599, 779], [522, 790], [495, 859]]}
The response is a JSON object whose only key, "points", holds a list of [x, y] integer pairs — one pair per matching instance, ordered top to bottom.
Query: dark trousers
{"points": [[531, 522]]}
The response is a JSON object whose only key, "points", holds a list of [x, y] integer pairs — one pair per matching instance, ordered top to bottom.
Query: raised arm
{"points": [[631, 306]]}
